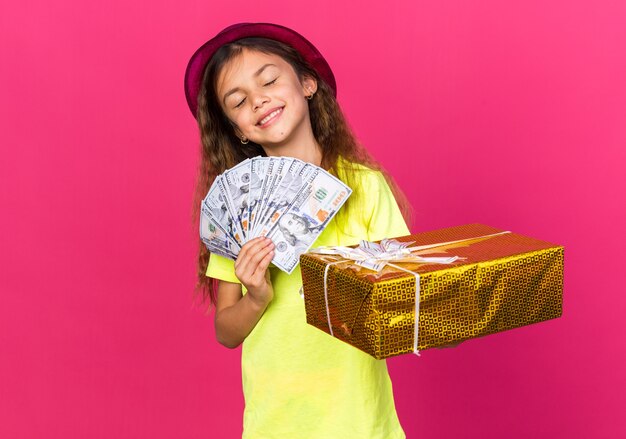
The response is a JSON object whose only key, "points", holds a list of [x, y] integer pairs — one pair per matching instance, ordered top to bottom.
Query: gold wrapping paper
{"points": [[502, 282]]}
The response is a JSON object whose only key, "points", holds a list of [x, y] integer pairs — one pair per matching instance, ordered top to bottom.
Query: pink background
{"points": [[510, 114]]}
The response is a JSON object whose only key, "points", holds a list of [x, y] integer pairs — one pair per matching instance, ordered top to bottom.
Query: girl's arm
{"points": [[237, 314]]}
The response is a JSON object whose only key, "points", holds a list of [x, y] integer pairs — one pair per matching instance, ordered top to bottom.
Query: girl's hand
{"points": [[251, 269], [237, 315]]}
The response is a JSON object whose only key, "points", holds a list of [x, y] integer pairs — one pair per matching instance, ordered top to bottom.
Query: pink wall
{"points": [[507, 113]]}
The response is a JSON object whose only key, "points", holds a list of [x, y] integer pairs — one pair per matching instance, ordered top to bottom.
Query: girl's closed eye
{"points": [[266, 84]]}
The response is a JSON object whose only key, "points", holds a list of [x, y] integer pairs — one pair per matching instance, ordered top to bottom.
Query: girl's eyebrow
{"points": [[257, 73]]}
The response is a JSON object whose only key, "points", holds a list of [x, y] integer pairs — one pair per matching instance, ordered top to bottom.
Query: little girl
{"points": [[263, 89]]}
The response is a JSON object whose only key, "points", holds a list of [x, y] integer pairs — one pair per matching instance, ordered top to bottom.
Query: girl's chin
{"points": [[277, 141]]}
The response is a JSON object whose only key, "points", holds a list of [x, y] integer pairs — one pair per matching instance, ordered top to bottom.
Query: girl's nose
{"points": [[258, 100]]}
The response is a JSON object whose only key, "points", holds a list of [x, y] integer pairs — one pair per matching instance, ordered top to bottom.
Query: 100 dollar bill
{"points": [[303, 221]]}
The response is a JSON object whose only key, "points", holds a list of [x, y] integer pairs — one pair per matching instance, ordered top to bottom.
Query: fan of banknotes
{"points": [[283, 198]]}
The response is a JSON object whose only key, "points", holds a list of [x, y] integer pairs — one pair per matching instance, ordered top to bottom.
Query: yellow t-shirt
{"points": [[298, 381]]}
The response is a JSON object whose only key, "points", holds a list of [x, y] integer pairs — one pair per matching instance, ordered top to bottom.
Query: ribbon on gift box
{"points": [[375, 256]]}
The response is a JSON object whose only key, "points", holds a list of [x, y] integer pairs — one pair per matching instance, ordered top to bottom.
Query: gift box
{"points": [[471, 281]]}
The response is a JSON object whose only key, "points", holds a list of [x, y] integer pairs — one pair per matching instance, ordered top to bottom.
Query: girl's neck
{"points": [[307, 150]]}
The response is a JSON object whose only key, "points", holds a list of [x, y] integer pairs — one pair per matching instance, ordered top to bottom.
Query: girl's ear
{"points": [[309, 85]]}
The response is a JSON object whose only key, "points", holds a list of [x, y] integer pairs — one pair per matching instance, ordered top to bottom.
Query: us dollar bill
{"points": [[272, 163], [275, 173], [284, 177], [257, 178], [237, 186], [287, 193], [284, 198], [218, 209], [233, 221], [302, 222], [214, 237]]}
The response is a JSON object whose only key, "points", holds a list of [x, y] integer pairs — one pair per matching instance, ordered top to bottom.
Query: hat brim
{"points": [[199, 60]]}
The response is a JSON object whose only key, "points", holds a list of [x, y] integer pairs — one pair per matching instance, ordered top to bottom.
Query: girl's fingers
{"points": [[250, 248], [245, 249], [260, 254], [257, 260], [263, 264], [247, 267], [259, 275]]}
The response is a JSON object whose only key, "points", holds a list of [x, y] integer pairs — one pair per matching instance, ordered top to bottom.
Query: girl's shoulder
{"points": [[343, 163], [345, 167], [373, 203]]}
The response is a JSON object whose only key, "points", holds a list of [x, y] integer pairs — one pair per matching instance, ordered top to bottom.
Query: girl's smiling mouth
{"points": [[270, 117]]}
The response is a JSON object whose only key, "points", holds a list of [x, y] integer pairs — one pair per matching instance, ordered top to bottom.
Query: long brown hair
{"points": [[221, 149]]}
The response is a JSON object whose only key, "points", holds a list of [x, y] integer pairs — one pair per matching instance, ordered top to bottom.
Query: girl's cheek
{"points": [[239, 121]]}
